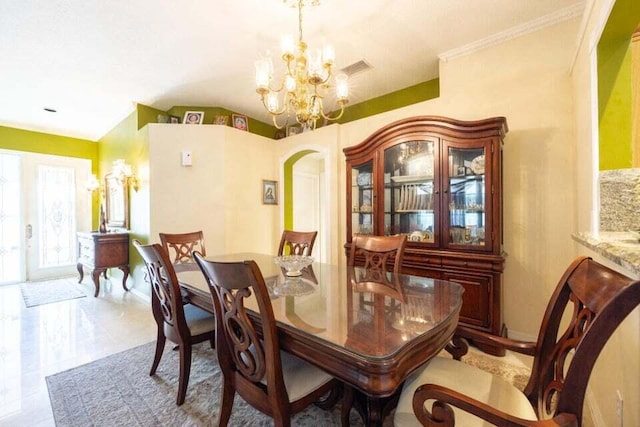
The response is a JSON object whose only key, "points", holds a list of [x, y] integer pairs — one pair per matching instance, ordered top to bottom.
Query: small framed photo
{"points": [[193, 117], [174, 119], [221, 120], [240, 122], [293, 130], [281, 133], [269, 192]]}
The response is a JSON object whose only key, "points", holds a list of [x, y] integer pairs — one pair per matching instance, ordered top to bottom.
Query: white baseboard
{"points": [[144, 297], [521, 336]]}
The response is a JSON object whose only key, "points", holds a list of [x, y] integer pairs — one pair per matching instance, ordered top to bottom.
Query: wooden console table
{"points": [[101, 251]]}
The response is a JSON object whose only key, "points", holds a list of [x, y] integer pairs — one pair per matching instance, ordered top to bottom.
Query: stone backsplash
{"points": [[620, 200]]}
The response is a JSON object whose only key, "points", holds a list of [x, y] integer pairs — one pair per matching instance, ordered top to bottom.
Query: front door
{"points": [[44, 204]]}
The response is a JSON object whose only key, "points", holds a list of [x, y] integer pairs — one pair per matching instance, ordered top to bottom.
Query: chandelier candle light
{"points": [[306, 80]]}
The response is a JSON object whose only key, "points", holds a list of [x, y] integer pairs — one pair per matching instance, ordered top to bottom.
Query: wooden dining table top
{"points": [[370, 332]]}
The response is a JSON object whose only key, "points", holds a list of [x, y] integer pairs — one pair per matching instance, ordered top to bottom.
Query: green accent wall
{"points": [[614, 86], [392, 101], [148, 115], [255, 126], [45, 143]]}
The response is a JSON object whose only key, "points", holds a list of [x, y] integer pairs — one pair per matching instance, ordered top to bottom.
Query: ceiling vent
{"points": [[356, 67]]}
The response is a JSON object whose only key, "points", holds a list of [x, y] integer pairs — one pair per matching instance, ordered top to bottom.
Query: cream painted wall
{"points": [[219, 194], [249, 225], [618, 367]]}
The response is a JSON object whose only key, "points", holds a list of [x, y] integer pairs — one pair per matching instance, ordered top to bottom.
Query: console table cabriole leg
{"points": [[125, 270], [80, 271], [96, 280]]}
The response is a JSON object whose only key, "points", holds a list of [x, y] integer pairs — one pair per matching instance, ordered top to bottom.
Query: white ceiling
{"points": [[92, 60]]}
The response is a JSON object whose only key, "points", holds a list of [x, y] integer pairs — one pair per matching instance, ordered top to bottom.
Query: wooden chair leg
{"points": [[159, 349], [185, 370], [226, 403], [347, 403]]}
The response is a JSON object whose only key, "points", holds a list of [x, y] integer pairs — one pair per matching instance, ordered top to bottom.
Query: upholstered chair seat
{"points": [[198, 320], [468, 380]]}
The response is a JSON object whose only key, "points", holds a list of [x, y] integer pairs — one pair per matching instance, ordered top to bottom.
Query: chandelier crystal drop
{"points": [[305, 83]]}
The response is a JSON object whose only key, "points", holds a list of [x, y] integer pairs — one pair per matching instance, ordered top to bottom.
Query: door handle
{"points": [[29, 231]]}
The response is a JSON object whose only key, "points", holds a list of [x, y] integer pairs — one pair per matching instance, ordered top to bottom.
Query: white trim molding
{"points": [[556, 17]]}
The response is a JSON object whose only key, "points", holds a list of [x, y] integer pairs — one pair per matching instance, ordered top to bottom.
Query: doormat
{"points": [[49, 291]]}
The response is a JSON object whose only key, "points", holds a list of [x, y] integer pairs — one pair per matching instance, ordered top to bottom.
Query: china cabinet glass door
{"points": [[466, 200], [410, 203], [362, 205]]}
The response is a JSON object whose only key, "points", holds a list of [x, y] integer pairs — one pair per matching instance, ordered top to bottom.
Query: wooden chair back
{"points": [[297, 242], [179, 246], [378, 252], [166, 300], [594, 300], [243, 356]]}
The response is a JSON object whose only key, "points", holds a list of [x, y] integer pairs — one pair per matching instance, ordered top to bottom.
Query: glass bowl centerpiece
{"points": [[293, 263]]}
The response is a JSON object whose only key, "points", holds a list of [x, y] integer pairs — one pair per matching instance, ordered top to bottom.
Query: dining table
{"points": [[367, 329]]}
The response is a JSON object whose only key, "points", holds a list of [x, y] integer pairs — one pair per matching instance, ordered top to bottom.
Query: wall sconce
{"points": [[124, 172], [92, 183]]}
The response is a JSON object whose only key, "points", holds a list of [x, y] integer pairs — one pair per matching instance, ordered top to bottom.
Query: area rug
{"points": [[46, 292], [118, 391]]}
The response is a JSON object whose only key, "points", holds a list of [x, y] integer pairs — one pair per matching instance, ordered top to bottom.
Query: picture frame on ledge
{"points": [[193, 117], [174, 119], [221, 120], [240, 122], [293, 130], [269, 192]]}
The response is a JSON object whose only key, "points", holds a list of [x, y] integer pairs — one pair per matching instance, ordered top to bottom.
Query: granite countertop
{"points": [[623, 248]]}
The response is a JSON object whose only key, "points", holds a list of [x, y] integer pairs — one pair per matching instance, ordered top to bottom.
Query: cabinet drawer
{"points": [[467, 264]]}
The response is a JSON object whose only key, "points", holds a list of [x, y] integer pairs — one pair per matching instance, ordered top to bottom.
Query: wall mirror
{"points": [[117, 202]]}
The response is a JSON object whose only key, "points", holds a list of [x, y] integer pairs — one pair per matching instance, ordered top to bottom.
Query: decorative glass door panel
{"points": [[409, 189], [467, 196], [362, 209]]}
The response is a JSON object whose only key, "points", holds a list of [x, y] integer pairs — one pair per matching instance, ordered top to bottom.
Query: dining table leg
{"points": [[374, 410]]}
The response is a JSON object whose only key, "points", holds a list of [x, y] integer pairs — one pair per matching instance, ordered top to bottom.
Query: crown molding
{"points": [[556, 17]]}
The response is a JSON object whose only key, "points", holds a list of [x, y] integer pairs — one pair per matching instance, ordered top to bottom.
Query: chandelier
{"points": [[305, 83]]}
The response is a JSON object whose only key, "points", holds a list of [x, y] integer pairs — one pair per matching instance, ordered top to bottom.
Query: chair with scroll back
{"points": [[297, 242], [179, 246], [378, 252], [375, 254], [588, 304], [183, 324], [275, 382]]}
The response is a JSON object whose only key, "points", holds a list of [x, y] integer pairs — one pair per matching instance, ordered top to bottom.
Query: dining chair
{"points": [[297, 242], [179, 246], [378, 252], [588, 304], [182, 324], [275, 382]]}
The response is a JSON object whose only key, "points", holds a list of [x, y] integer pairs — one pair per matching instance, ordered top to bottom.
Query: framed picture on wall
{"points": [[193, 117], [221, 120], [240, 122], [293, 130], [269, 192]]}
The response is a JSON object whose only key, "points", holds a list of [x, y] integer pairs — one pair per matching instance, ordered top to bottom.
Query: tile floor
{"points": [[39, 341]]}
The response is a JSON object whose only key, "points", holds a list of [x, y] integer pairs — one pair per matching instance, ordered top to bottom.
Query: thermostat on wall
{"points": [[187, 158]]}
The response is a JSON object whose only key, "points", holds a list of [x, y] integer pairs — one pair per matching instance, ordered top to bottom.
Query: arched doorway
{"points": [[305, 198]]}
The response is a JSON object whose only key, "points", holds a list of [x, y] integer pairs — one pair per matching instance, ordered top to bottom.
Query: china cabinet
{"points": [[438, 181]]}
